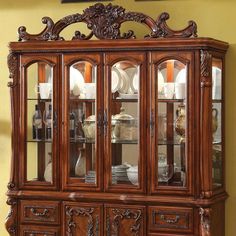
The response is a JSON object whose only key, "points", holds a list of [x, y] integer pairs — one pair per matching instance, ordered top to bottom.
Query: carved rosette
{"points": [[104, 22], [12, 65], [205, 69], [11, 186], [84, 212], [121, 214], [11, 218], [205, 221]]}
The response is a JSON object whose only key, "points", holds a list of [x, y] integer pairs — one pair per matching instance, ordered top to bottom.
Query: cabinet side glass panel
{"points": [[39, 122], [171, 123], [82, 124], [125, 125], [217, 148]]}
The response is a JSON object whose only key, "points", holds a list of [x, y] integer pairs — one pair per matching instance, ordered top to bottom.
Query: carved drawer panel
{"points": [[44, 212], [83, 219], [170, 219], [125, 220], [29, 230]]}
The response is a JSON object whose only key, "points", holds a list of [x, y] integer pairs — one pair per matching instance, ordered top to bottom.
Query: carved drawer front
{"points": [[42, 212], [83, 219], [170, 219], [125, 220], [29, 230]]}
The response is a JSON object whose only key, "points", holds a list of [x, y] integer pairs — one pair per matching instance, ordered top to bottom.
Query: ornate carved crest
{"points": [[104, 22], [85, 212], [205, 227]]}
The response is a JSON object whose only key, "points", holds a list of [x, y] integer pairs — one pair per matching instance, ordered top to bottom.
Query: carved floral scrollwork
{"points": [[105, 21], [163, 30], [12, 65], [205, 69], [85, 212], [121, 214], [11, 218], [205, 221]]}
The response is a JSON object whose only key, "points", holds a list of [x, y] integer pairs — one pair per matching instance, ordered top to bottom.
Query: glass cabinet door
{"points": [[169, 117], [40, 121], [83, 121], [125, 122], [217, 142]]}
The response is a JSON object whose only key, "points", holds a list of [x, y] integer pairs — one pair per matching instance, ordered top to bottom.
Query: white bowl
{"points": [[132, 173]]}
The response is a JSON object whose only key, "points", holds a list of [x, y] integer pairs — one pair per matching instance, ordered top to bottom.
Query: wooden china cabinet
{"points": [[116, 136]]}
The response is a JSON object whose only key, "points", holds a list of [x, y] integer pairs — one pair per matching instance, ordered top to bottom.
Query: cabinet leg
{"points": [[11, 218], [205, 221]]}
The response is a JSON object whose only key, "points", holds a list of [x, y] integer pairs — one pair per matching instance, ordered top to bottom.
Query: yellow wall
{"points": [[215, 18]]}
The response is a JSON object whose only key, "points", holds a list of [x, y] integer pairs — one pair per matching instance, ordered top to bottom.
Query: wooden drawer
{"points": [[41, 212], [170, 219], [125, 220], [32, 230]]}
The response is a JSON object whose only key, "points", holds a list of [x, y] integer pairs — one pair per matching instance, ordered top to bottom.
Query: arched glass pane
{"points": [[125, 83], [172, 100], [39, 121], [82, 131], [217, 148]]}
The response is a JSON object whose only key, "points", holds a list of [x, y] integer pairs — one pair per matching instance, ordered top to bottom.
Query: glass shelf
{"points": [[40, 99], [81, 100], [124, 100], [170, 100], [216, 100], [39, 141], [112, 141], [124, 141], [169, 142], [216, 142]]}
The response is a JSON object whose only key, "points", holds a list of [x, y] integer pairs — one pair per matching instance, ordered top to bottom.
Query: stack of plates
{"points": [[125, 81], [120, 172], [90, 178], [114, 179]]}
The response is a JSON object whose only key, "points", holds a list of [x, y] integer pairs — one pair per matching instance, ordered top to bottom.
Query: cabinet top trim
{"points": [[104, 22]]}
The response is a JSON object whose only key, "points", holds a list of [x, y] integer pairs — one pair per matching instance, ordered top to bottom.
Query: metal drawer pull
{"points": [[41, 214], [169, 220]]}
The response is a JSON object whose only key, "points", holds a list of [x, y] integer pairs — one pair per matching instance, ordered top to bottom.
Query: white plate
{"points": [[133, 74], [181, 76], [115, 79], [76, 81], [161, 82], [216, 82], [135, 83], [125, 85]]}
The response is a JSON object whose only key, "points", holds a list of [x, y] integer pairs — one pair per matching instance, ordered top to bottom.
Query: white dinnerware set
{"points": [[125, 82]]}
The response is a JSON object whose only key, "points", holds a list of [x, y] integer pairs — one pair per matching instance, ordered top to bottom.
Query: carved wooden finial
{"points": [[104, 22]]}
